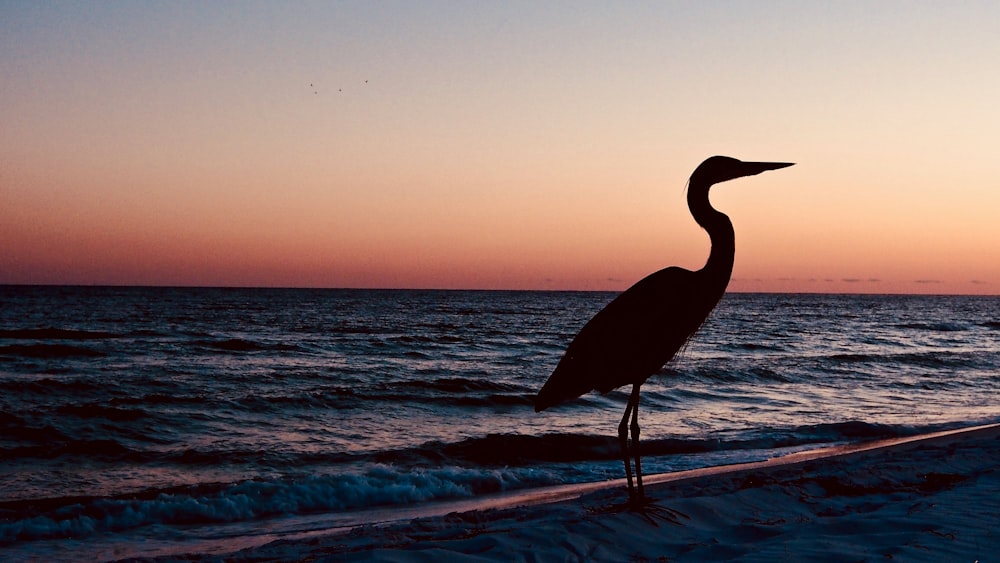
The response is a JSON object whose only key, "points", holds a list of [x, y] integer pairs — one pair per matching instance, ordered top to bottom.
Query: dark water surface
{"points": [[143, 412]]}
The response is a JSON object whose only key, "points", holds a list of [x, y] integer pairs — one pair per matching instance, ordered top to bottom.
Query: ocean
{"points": [[133, 420]]}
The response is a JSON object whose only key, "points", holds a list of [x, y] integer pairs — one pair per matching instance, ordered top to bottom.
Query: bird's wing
{"points": [[631, 338]]}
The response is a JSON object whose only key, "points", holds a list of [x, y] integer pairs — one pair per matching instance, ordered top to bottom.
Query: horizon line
{"points": [[468, 289]]}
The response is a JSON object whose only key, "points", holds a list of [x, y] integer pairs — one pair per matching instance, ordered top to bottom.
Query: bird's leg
{"points": [[634, 401], [623, 440]]}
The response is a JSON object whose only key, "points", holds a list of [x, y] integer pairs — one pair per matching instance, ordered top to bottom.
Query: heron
{"points": [[642, 329]]}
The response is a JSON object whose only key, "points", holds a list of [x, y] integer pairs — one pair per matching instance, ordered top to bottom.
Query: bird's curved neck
{"points": [[720, 231]]}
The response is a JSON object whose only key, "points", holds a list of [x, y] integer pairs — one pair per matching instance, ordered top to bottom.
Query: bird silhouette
{"points": [[643, 328]]}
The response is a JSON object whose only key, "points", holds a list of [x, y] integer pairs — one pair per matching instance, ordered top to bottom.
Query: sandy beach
{"points": [[929, 498]]}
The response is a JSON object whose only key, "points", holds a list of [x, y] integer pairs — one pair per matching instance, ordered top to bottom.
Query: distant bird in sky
{"points": [[643, 328]]}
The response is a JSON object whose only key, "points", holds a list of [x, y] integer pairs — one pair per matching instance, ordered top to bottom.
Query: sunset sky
{"points": [[498, 145]]}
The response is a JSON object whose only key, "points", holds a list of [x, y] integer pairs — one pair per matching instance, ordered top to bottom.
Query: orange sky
{"points": [[461, 145]]}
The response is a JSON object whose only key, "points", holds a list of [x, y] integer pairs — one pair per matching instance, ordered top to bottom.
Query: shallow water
{"points": [[151, 410]]}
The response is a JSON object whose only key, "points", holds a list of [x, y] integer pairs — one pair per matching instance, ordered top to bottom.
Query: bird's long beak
{"points": [[753, 168]]}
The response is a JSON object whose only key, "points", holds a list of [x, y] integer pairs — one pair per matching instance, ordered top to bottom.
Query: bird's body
{"points": [[642, 329], [632, 337]]}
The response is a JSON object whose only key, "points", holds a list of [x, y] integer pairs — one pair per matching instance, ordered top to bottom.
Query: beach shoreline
{"points": [[932, 497]]}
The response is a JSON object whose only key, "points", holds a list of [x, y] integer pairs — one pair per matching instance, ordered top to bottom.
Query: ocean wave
{"points": [[934, 326], [346, 329], [147, 332], [55, 334], [430, 339], [242, 345], [753, 347], [48, 351], [852, 358], [935, 359], [712, 372], [458, 385], [47, 386], [445, 391], [158, 399], [346, 399], [497, 400], [92, 410], [16, 429], [851, 430], [103, 449], [510, 449], [492, 450], [524, 450], [377, 485]]}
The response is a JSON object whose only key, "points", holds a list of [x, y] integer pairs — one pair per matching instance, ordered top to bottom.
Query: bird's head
{"points": [[717, 169]]}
